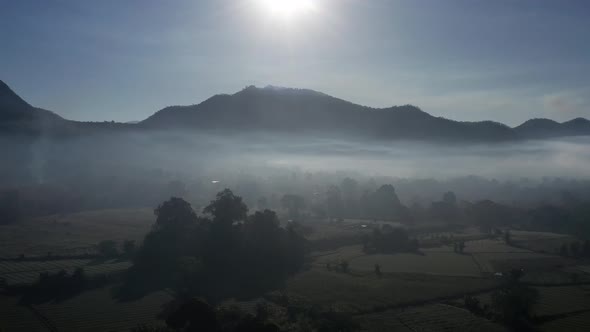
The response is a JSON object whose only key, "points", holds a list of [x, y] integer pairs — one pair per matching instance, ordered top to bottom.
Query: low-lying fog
{"points": [[257, 154], [138, 168]]}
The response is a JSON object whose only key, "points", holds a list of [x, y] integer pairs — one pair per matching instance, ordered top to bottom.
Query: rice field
{"points": [[75, 233], [544, 242], [491, 246], [503, 261], [450, 264], [28, 271], [358, 293], [560, 300], [96, 311], [14, 317], [433, 317], [441, 317], [579, 322]]}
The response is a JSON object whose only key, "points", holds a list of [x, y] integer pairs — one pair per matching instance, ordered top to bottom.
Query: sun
{"points": [[285, 9]]}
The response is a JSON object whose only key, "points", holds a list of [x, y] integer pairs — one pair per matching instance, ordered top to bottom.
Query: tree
{"points": [[349, 189], [450, 199], [333, 202], [293, 204], [384, 204], [227, 208], [174, 213], [461, 246], [129, 247], [108, 248], [575, 249], [563, 250], [231, 256], [344, 266], [378, 270], [514, 301]]}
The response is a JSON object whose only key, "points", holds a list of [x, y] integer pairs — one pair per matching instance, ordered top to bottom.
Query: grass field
{"points": [[74, 233], [540, 241], [491, 246], [503, 261], [431, 262], [450, 264], [28, 272], [357, 293], [560, 300], [97, 311], [14, 317], [434, 317], [579, 322]]}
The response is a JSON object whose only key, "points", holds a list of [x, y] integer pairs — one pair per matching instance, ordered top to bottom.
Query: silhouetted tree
{"points": [[333, 202], [293, 204], [227, 208], [174, 213], [129, 247], [108, 248], [575, 249], [563, 250], [378, 270], [513, 301]]}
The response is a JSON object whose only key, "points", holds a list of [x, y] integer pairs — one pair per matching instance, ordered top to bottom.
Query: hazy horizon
{"points": [[463, 60]]}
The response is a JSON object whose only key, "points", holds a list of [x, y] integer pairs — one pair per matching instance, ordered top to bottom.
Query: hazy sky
{"points": [[470, 60]]}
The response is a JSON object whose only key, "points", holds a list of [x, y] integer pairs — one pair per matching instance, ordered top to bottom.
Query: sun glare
{"points": [[288, 8]]}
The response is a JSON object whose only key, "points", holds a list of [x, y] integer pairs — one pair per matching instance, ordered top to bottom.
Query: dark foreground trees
{"points": [[230, 255]]}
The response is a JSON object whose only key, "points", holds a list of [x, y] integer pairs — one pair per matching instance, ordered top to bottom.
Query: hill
{"points": [[286, 110], [307, 111], [19, 117], [545, 128]]}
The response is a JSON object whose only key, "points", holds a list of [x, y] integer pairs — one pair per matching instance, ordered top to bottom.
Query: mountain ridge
{"points": [[282, 109]]}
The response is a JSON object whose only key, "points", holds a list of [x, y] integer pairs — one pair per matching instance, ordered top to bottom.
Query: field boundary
{"points": [[44, 320]]}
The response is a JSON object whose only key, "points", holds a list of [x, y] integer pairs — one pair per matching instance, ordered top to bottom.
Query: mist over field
{"points": [[256, 154], [294, 166]]}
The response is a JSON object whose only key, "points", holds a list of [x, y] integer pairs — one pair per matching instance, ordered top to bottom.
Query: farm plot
{"points": [[325, 231], [75, 233], [544, 242], [491, 246], [345, 253], [502, 261], [450, 264], [28, 272], [559, 276], [349, 293], [555, 300], [561, 300], [97, 311], [14, 317], [434, 317], [441, 317], [579, 322]]}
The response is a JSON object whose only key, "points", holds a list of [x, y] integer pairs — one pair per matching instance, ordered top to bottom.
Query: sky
{"points": [[471, 60]]}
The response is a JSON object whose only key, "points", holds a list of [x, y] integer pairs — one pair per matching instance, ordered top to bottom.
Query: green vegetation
{"points": [[231, 255]]}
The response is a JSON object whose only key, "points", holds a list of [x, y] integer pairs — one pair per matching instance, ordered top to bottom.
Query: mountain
{"points": [[286, 110], [307, 111], [19, 117], [546, 128]]}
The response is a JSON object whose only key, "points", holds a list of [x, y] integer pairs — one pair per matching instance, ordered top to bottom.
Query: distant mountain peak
{"points": [[280, 90], [9, 99]]}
